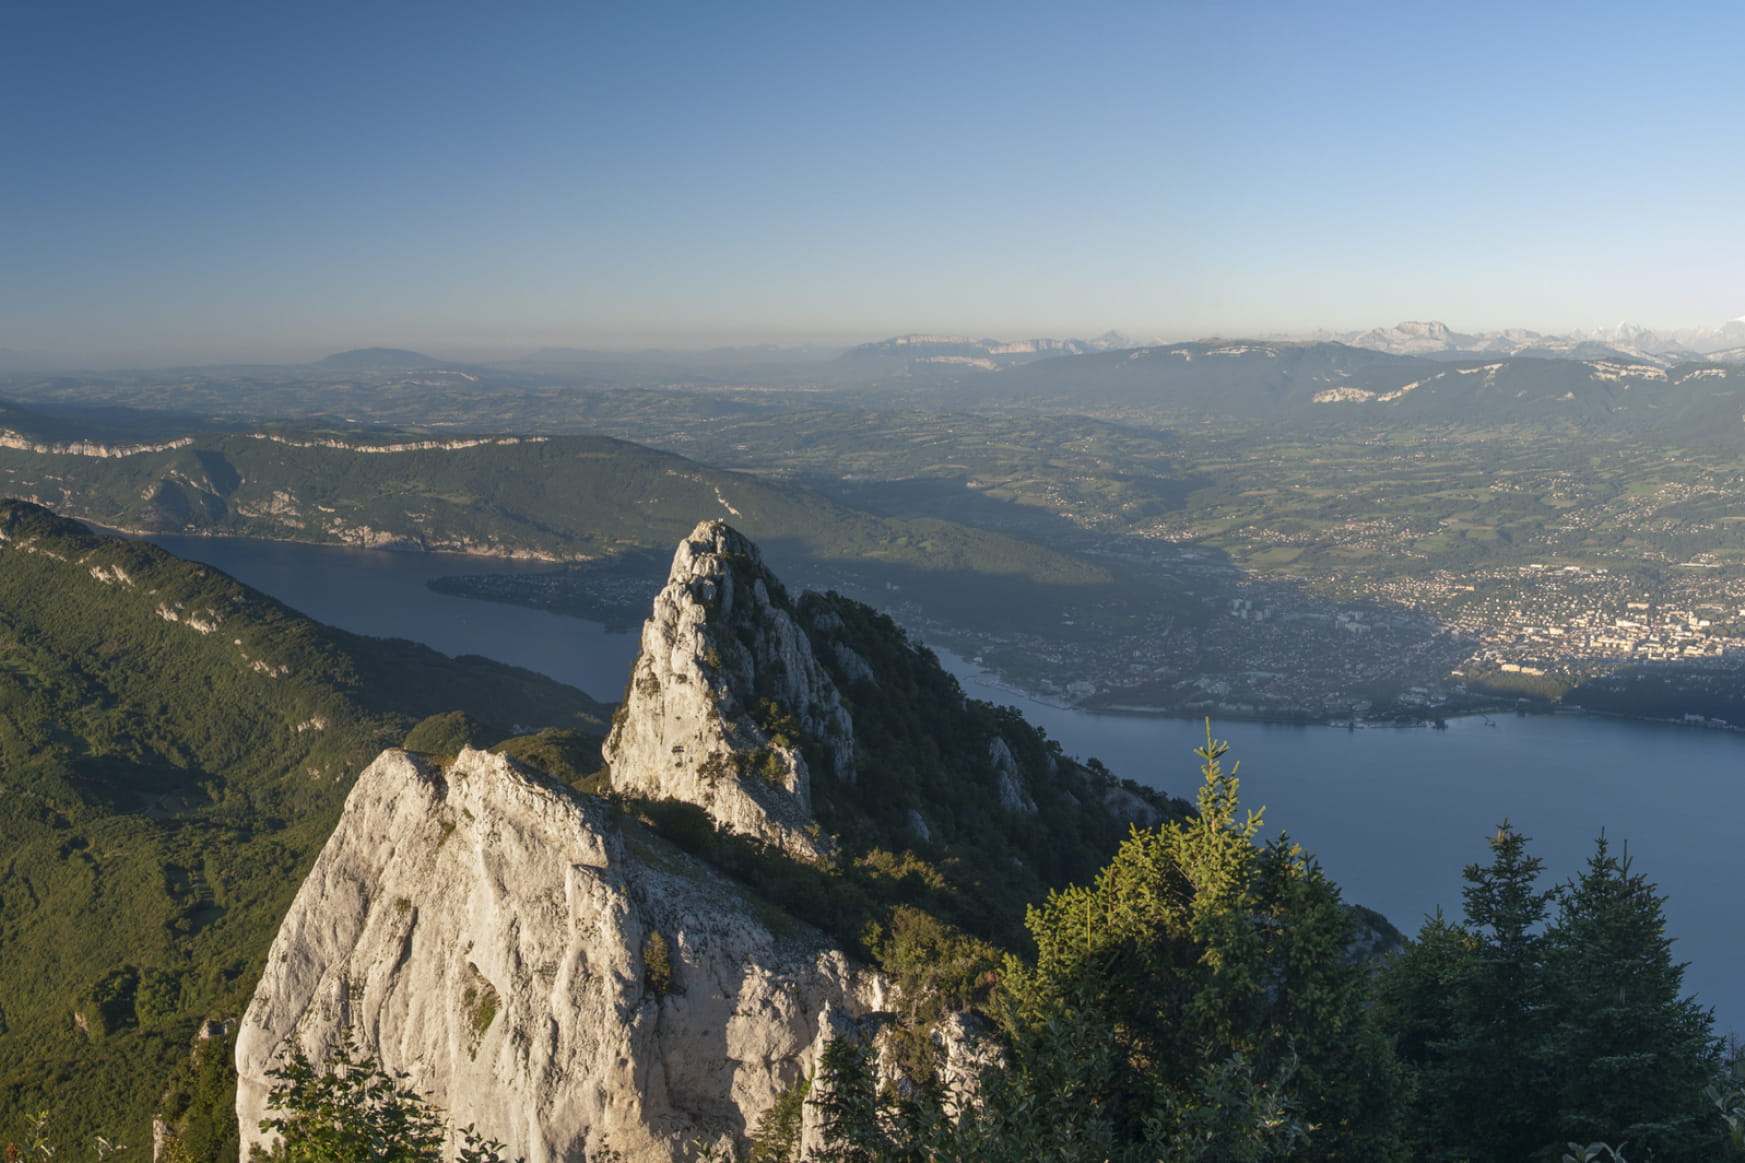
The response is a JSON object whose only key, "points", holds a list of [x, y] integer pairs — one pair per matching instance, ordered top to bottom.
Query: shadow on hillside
{"points": [[949, 500], [1168, 624]]}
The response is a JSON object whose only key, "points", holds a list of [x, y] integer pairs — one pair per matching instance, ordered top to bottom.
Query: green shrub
{"points": [[657, 964]]}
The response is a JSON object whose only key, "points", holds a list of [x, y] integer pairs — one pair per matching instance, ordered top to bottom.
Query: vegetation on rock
{"points": [[351, 1110]]}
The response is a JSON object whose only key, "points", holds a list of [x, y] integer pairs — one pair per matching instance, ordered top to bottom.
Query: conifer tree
{"points": [[1202, 951], [1417, 992], [1524, 1037], [1630, 1055], [1494, 1068], [846, 1095]]}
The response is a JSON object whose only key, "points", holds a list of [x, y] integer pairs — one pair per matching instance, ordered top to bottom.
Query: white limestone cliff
{"points": [[723, 692], [484, 930], [496, 936]]}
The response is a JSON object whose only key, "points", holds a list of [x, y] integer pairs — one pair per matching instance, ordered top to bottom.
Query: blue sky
{"points": [[284, 179]]}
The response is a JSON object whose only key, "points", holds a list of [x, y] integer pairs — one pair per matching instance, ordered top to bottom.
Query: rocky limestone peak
{"points": [[728, 708], [565, 987]]}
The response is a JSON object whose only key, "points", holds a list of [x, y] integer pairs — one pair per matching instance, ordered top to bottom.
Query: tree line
{"points": [[1202, 999]]}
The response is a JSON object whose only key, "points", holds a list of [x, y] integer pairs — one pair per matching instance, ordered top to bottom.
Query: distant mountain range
{"points": [[1624, 340], [1701, 340], [932, 356], [948, 356], [1341, 384]]}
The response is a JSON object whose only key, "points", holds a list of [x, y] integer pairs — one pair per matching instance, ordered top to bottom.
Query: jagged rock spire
{"points": [[726, 699]]}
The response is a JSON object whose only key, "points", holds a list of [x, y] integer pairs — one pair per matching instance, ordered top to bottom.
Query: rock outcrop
{"points": [[727, 698], [1013, 796], [501, 940], [559, 976]]}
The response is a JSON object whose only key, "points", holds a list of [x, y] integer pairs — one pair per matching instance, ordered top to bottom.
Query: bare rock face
{"points": [[725, 696], [1013, 796], [501, 940]]}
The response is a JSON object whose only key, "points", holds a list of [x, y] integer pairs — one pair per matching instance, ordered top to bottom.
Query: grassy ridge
{"points": [[565, 497], [174, 748]]}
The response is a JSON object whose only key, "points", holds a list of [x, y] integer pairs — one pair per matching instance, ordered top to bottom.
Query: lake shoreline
{"points": [[512, 564], [1393, 815]]}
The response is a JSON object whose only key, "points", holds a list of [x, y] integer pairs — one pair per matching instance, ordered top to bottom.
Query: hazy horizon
{"points": [[202, 182], [482, 352]]}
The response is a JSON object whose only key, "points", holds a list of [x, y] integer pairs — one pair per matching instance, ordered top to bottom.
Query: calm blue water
{"points": [[379, 592], [1393, 814]]}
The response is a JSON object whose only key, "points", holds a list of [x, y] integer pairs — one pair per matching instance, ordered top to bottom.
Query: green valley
{"points": [[1249, 528]]}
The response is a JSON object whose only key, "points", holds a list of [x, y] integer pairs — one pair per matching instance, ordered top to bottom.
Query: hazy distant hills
{"points": [[749, 356], [921, 356], [933, 356], [383, 359], [12, 360], [1411, 373], [1239, 379], [1259, 381]]}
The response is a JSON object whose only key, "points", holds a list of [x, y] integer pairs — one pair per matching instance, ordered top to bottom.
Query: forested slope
{"points": [[559, 497], [174, 748]]}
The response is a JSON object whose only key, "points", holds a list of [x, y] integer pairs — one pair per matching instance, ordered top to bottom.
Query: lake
{"points": [[381, 592], [1393, 814]]}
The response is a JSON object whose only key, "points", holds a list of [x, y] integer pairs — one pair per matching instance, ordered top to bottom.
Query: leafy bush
{"points": [[447, 733], [568, 755], [657, 964], [350, 1110]]}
